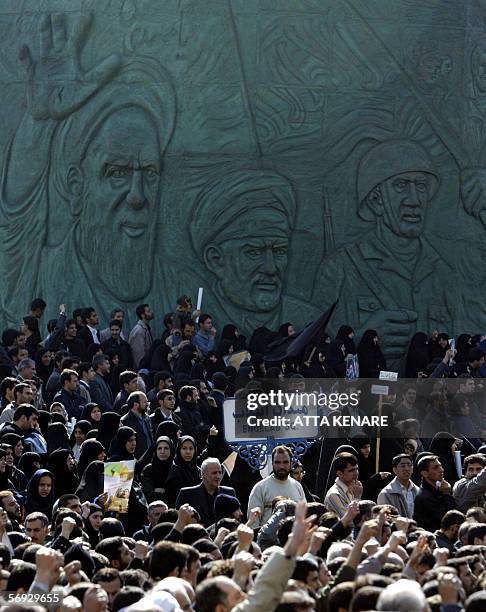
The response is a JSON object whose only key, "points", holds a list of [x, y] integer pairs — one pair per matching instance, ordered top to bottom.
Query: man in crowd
{"points": [[117, 314], [88, 332], [140, 339], [204, 339], [71, 342], [116, 344], [86, 375], [128, 384], [99, 389], [23, 394], [69, 396], [165, 410], [137, 419], [192, 421], [279, 483], [347, 487], [401, 491], [469, 491], [204, 495], [434, 497], [37, 527]]}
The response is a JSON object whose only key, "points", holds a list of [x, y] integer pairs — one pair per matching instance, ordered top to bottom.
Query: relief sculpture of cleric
{"points": [[278, 154], [82, 213], [241, 229]]}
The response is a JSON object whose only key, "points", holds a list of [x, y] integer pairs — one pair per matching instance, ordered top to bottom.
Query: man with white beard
{"points": [[86, 202]]}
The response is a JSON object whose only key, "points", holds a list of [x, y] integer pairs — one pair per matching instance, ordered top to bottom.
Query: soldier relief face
{"points": [[121, 174], [404, 200]]}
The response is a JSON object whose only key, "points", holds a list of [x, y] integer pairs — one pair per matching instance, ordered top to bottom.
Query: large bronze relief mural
{"points": [[279, 154]]}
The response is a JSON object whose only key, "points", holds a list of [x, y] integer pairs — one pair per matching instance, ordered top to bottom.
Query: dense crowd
{"points": [[400, 527]]}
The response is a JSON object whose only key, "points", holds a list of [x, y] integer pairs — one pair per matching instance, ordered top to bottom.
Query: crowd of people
{"points": [[397, 527]]}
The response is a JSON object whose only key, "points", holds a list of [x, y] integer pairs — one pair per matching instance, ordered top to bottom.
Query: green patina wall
{"points": [[277, 153]]}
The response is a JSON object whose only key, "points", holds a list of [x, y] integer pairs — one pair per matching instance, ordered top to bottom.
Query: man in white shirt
{"points": [[279, 483], [346, 487]]}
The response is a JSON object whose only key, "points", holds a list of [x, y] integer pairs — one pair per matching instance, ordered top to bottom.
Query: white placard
{"points": [[384, 375], [379, 390]]}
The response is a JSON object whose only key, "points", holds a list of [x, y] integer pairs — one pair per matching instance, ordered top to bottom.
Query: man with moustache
{"points": [[240, 231], [279, 483]]}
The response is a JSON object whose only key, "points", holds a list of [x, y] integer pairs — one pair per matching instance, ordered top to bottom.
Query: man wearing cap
{"points": [[240, 230], [392, 279]]}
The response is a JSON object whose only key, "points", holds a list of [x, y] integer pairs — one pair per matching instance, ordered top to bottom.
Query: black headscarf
{"points": [[230, 332], [343, 334], [463, 345], [224, 347], [417, 356], [160, 358], [371, 359], [183, 363], [213, 366], [42, 371], [198, 371], [243, 377], [86, 414], [44, 420], [84, 426], [107, 428], [170, 429], [57, 437], [11, 439], [441, 446], [90, 450], [118, 451], [26, 464], [366, 466], [157, 469], [183, 473], [67, 481], [92, 482], [5, 483], [34, 502], [93, 535]]}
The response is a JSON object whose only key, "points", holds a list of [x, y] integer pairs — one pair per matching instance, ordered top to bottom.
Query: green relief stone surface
{"points": [[279, 154]]}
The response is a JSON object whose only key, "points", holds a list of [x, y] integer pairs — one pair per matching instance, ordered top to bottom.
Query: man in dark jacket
{"points": [[116, 344], [99, 389], [69, 396], [137, 419], [192, 421], [203, 496], [434, 498]]}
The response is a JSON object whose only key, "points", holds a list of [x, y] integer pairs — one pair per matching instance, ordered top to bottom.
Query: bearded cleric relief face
{"points": [[120, 178], [251, 265]]}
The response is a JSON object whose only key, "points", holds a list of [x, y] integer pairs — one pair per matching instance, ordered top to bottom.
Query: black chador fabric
{"points": [[417, 356], [370, 357], [118, 450], [67, 481]]}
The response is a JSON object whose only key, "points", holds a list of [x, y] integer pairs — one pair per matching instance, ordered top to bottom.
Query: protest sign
{"points": [[118, 483]]}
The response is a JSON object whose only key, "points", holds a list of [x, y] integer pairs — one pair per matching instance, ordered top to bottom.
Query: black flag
{"points": [[294, 346]]}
